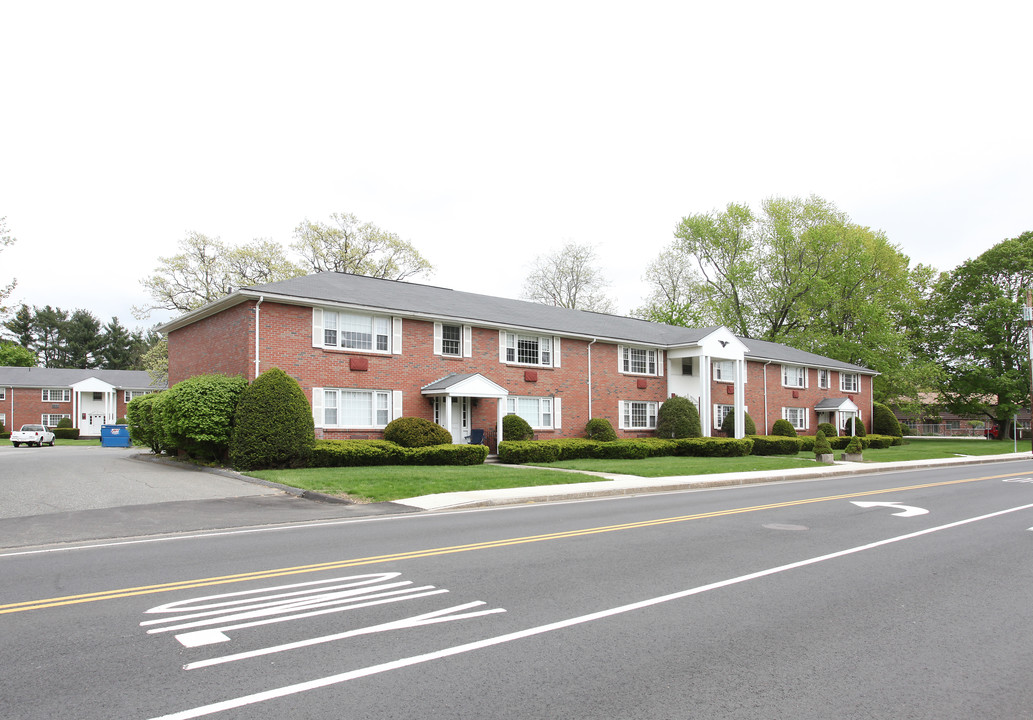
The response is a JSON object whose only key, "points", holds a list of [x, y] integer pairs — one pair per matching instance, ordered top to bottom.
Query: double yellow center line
{"points": [[414, 554]]}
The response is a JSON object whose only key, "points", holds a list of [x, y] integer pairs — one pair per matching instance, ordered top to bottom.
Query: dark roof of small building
{"points": [[473, 308], [66, 377]]}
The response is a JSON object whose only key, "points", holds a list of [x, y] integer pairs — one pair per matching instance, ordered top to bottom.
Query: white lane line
{"points": [[431, 618], [550, 627]]}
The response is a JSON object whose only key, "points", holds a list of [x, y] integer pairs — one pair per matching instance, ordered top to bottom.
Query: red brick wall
{"points": [[214, 345], [779, 397], [24, 406]]}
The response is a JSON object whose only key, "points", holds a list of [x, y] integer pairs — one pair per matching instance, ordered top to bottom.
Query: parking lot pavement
{"points": [[75, 493]]}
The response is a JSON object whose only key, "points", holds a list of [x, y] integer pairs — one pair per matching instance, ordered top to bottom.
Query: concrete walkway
{"points": [[633, 485]]}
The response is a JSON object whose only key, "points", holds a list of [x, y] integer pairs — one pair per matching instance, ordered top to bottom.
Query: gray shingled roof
{"points": [[473, 308], [66, 377]]}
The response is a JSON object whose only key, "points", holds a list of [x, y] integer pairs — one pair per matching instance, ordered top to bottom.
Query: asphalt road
{"points": [[785, 600]]}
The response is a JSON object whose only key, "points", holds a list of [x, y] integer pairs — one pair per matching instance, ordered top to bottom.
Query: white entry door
{"points": [[460, 420], [94, 421]]}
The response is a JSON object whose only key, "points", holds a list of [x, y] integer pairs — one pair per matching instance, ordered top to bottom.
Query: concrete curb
{"points": [[616, 485]]}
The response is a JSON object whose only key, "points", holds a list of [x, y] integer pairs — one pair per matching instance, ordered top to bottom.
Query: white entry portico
{"points": [[692, 369], [452, 397], [94, 403]]}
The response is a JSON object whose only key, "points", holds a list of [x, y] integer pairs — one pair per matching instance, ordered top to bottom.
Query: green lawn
{"points": [[381, 484]]}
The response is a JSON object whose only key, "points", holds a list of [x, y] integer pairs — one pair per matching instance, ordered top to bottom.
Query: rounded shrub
{"points": [[197, 414], [678, 418], [884, 422], [64, 423], [728, 425], [273, 426], [515, 427], [783, 427], [598, 429], [828, 429], [414, 432], [821, 444]]}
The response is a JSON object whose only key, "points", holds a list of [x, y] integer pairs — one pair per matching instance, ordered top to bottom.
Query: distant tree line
{"points": [[54, 338]]}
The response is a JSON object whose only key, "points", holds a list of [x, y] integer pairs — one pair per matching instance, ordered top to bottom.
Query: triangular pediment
{"points": [[465, 385]]}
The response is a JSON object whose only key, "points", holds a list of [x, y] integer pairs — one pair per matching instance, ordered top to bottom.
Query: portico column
{"points": [[740, 400], [705, 411]]}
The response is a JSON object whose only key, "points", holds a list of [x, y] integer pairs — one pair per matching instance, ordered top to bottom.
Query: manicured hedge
{"points": [[66, 433], [775, 445], [517, 452], [361, 453]]}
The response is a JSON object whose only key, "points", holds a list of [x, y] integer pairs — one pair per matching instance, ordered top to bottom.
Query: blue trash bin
{"points": [[114, 436]]}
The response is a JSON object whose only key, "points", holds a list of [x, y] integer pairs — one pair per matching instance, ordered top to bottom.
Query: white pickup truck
{"points": [[37, 435]]}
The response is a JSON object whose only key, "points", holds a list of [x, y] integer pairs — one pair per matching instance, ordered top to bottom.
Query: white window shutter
{"points": [[317, 327], [437, 338], [467, 341], [396, 346], [502, 346], [556, 351], [660, 362], [620, 368], [806, 377], [396, 404], [317, 406], [557, 414], [620, 414]]}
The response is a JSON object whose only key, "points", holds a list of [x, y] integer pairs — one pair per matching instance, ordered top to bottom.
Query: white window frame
{"points": [[383, 331], [465, 340], [447, 341], [546, 348], [648, 362], [720, 366], [794, 376], [823, 378], [845, 387], [3, 393], [47, 395], [131, 395], [380, 408], [630, 410], [720, 413], [46, 417], [543, 417], [802, 419]]}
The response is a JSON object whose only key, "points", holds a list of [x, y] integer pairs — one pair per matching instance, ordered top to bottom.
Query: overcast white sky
{"points": [[490, 133]]}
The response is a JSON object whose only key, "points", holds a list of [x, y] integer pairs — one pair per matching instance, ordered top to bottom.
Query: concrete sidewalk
{"points": [[633, 485]]}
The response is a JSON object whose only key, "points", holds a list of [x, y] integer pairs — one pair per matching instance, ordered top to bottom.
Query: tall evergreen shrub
{"points": [[678, 418], [884, 422], [728, 425], [273, 426]]}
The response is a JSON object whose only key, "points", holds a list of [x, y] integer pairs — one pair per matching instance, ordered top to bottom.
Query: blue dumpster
{"points": [[114, 436]]}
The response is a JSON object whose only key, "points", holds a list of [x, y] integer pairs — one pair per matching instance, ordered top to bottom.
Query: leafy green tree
{"points": [[5, 240], [346, 245], [207, 269], [569, 278], [977, 335], [83, 340], [14, 355], [156, 362], [200, 412], [273, 426]]}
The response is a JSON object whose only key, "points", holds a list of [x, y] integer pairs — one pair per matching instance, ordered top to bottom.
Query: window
{"points": [[351, 331], [451, 340], [528, 349], [638, 361], [686, 366], [724, 371], [794, 376], [823, 379], [848, 382], [3, 393], [131, 394], [57, 395], [356, 408], [536, 411], [720, 413], [638, 415], [797, 417], [3, 420], [52, 420]]}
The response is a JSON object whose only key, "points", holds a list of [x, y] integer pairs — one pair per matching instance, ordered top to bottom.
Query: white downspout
{"points": [[258, 325], [594, 341], [767, 427]]}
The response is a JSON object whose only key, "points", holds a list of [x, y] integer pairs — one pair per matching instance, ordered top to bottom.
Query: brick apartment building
{"points": [[366, 351], [89, 398]]}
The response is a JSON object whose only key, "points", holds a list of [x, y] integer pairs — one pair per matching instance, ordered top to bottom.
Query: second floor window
{"points": [[351, 331], [451, 340], [528, 349], [638, 361], [724, 371], [793, 376], [823, 379], [849, 382], [57, 395]]}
